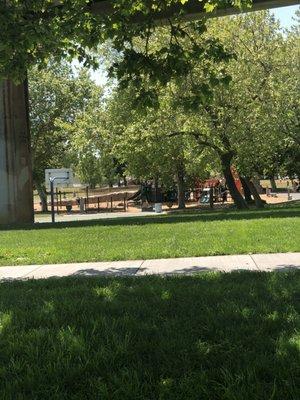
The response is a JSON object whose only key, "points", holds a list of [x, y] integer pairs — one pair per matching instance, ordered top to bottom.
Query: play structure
{"points": [[210, 187], [214, 190], [148, 196], [204, 198]]}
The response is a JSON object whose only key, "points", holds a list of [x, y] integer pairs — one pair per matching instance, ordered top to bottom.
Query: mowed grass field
{"points": [[198, 233], [210, 336]]}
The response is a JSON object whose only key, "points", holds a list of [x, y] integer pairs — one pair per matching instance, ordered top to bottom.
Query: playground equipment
{"points": [[136, 196], [204, 197], [151, 198], [101, 200]]}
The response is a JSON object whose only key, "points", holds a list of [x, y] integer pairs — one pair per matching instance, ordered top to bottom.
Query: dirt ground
{"points": [[117, 205], [131, 208]]}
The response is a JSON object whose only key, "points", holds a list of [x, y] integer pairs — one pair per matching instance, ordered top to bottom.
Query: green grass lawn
{"points": [[179, 235], [210, 337]]}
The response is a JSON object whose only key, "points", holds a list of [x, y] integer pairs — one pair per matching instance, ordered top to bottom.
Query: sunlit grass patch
{"points": [[180, 235]]}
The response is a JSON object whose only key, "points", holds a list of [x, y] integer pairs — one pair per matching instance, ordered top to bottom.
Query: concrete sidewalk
{"points": [[93, 216], [171, 266]]}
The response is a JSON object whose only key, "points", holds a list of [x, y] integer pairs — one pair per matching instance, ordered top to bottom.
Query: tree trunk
{"points": [[273, 184], [257, 185], [181, 187], [247, 192], [43, 196], [211, 197], [238, 199], [258, 201]]}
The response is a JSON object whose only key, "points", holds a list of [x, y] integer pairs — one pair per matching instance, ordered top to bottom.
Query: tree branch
{"points": [[197, 135]]}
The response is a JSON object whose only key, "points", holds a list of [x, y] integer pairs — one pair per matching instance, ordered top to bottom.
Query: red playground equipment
{"points": [[218, 185]]}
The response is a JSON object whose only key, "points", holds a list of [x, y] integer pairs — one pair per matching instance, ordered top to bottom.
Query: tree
{"points": [[35, 30], [269, 83], [57, 98], [226, 102], [286, 107], [236, 116], [144, 143], [84, 148], [90, 150]]}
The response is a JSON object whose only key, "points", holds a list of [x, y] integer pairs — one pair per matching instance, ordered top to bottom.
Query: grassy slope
{"points": [[179, 235], [211, 336]]}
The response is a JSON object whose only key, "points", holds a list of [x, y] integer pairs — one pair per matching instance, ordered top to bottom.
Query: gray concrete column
{"points": [[16, 194]]}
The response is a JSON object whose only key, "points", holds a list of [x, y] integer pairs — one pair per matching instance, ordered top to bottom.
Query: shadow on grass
{"points": [[194, 216], [210, 336]]}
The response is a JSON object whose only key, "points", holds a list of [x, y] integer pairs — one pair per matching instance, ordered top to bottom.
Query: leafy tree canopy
{"points": [[34, 30], [58, 99], [244, 108]]}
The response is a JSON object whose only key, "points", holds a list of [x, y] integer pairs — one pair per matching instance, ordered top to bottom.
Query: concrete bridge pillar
{"points": [[16, 194]]}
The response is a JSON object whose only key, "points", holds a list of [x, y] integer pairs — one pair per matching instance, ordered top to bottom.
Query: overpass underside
{"points": [[193, 9], [16, 194]]}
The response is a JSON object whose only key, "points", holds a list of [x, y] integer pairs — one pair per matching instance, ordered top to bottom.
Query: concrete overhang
{"points": [[193, 9]]}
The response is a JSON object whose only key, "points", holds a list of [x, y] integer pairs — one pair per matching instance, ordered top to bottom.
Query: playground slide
{"points": [[135, 196], [204, 198]]}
